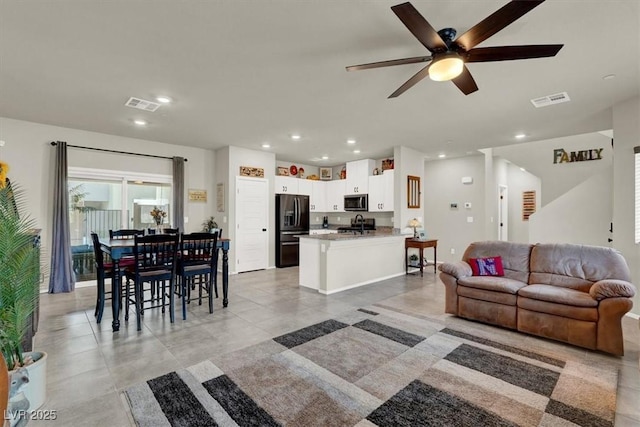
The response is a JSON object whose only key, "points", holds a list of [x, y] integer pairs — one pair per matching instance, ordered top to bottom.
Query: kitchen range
{"points": [[359, 225]]}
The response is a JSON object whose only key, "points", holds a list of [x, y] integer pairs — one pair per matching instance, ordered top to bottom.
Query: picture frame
{"points": [[283, 171], [325, 174], [422, 235]]}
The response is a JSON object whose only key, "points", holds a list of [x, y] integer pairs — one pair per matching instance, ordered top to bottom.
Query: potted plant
{"points": [[210, 225], [413, 260], [19, 288]]}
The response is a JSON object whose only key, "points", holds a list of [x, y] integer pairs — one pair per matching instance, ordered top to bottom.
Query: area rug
{"points": [[378, 367]]}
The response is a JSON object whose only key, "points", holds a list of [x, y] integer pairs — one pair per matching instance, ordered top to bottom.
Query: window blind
{"points": [[636, 151]]}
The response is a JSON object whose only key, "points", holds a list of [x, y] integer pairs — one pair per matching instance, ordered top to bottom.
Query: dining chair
{"points": [[171, 231], [125, 233], [156, 257], [197, 265], [104, 269]]}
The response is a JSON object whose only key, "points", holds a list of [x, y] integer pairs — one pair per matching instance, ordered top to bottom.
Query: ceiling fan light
{"points": [[446, 68]]}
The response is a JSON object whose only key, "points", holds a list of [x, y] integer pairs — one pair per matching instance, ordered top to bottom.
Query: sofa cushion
{"points": [[515, 256], [490, 266], [576, 266], [492, 283], [484, 295], [558, 295], [587, 314]]}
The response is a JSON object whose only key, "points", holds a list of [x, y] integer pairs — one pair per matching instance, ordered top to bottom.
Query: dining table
{"points": [[119, 248]]}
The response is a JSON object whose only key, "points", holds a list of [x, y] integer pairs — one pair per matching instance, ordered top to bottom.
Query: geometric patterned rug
{"points": [[377, 367]]}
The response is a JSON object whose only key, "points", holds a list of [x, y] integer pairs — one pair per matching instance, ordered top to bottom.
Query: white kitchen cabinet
{"points": [[358, 173], [286, 185], [305, 187], [381, 192], [335, 195], [318, 197]]}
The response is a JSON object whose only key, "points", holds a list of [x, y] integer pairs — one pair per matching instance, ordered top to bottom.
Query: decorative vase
{"points": [[36, 390]]}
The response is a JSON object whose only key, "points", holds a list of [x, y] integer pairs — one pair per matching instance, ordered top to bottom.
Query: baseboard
{"points": [[357, 285]]}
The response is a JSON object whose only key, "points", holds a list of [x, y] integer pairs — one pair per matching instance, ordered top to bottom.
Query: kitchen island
{"points": [[332, 263]]}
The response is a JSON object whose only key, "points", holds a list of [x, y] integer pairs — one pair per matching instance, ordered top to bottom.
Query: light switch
{"points": [[469, 219]]}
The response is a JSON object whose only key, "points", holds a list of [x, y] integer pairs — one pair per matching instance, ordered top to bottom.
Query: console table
{"points": [[410, 242]]}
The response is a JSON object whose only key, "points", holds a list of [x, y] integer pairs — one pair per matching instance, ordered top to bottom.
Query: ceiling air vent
{"points": [[556, 98], [141, 104]]}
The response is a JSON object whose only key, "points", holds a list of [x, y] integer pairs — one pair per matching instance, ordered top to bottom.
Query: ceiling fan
{"points": [[448, 56]]}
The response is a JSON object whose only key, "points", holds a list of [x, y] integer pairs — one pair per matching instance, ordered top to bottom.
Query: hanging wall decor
{"points": [[251, 171], [413, 192], [197, 195], [528, 204]]}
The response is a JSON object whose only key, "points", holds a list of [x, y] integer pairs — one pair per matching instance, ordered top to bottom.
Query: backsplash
{"points": [[383, 219]]}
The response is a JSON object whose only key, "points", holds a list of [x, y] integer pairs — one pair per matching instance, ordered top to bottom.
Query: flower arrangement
{"points": [[158, 215]]}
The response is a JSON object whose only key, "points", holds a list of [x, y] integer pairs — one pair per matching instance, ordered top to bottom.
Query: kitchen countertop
{"points": [[380, 232]]}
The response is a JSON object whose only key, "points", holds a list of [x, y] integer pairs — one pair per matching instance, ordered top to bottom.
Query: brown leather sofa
{"points": [[571, 293]]}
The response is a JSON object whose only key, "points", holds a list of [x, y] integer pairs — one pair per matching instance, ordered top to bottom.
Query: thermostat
{"points": [[467, 180]]}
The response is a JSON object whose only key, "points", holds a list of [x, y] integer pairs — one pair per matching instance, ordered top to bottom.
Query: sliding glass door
{"points": [[101, 200]]}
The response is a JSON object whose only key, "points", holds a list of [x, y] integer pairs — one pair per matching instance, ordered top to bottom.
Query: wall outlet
{"points": [[317, 218], [186, 219], [224, 219], [338, 219], [469, 219], [453, 251]]}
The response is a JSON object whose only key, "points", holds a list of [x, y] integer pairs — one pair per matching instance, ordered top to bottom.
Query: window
{"points": [[636, 151], [101, 200]]}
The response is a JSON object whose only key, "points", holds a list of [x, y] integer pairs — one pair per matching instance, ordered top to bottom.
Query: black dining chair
{"points": [[171, 231], [125, 233], [198, 256], [156, 258], [104, 269]]}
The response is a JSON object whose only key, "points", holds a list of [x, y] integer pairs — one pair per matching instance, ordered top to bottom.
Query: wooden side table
{"points": [[410, 242]]}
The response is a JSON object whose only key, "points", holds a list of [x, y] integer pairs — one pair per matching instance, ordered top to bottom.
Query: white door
{"points": [[503, 214], [252, 218]]}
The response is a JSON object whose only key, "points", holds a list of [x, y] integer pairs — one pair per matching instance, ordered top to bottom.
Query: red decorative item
{"points": [[294, 170], [490, 266]]}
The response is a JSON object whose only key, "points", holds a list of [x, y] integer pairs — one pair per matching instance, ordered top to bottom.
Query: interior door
{"points": [[503, 213], [252, 218]]}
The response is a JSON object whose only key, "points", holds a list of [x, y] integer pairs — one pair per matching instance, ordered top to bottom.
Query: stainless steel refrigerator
{"points": [[292, 218]]}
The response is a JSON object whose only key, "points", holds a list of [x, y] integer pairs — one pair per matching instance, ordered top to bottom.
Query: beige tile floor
{"points": [[89, 365]]}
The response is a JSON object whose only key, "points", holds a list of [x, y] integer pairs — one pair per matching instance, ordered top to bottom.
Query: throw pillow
{"points": [[490, 266]]}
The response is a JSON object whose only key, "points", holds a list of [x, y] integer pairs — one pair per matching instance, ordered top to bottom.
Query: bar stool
{"points": [[156, 257], [104, 269]]}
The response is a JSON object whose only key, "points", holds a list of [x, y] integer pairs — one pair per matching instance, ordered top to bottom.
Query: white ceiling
{"points": [[246, 72]]}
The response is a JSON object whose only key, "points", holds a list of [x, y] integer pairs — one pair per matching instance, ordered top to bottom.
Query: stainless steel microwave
{"points": [[356, 203]]}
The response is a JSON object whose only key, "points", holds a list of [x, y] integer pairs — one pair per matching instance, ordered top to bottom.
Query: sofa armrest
{"points": [[458, 269], [611, 288]]}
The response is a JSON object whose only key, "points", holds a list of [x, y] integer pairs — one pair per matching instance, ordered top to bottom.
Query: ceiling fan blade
{"points": [[495, 22], [419, 27], [508, 53], [413, 60], [412, 81], [465, 82]]}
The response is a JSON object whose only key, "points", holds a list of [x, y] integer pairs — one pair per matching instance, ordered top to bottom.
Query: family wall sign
{"points": [[560, 155]]}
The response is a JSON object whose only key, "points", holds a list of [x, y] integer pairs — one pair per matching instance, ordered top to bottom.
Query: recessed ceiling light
{"points": [[609, 77], [163, 99], [140, 122], [520, 135], [295, 137], [351, 141], [449, 142], [265, 145], [356, 151], [469, 152], [442, 156], [325, 157], [523, 169]]}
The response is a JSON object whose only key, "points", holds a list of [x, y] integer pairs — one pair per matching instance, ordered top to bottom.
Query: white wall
{"points": [[626, 132], [537, 158], [31, 159], [407, 162], [519, 181], [443, 186], [576, 216]]}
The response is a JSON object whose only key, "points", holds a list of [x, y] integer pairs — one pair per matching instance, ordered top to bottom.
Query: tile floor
{"points": [[89, 366]]}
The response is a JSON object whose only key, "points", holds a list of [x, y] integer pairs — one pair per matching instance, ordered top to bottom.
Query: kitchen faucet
{"points": [[361, 222]]}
